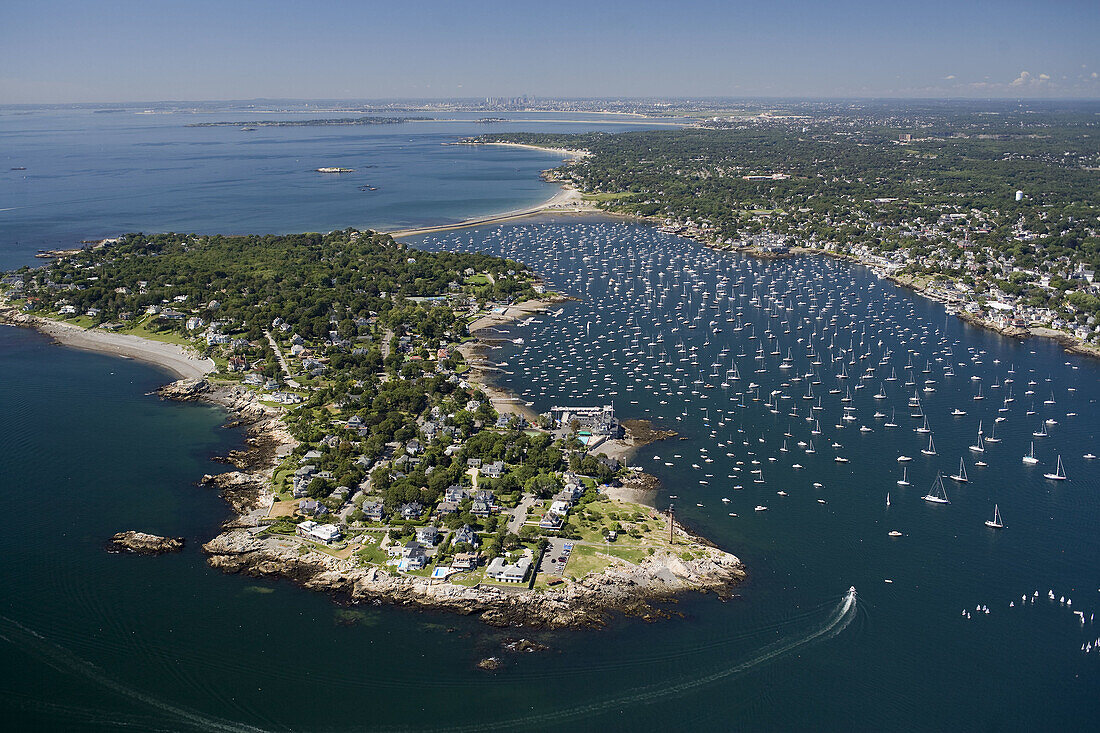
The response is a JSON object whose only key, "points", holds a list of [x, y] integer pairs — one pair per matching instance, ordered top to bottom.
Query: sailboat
{"points": [[891, 424], [1041, 432], [992, 438], [979, 447], [931, 449], [1059, 473], [960, 477], [903, 481], [937, 494], [887, 499], [996, 522]]}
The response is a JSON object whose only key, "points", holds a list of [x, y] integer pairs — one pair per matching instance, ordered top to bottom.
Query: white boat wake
{"points": [[836, 622], [65, 661]]}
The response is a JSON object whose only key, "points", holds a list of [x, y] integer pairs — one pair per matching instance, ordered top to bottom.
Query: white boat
{"points": [[931, 449], [1030, 457], [1089, 457], [1059, 473], [960, 477], [904, 480], [937, 494], [887, 498], [761, 508], [996, 522], [895, 533]]}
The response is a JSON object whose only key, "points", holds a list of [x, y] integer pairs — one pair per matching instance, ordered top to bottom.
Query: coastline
{"points": [[568, 200], [1068, 342], [172, 358], [587, 602]]}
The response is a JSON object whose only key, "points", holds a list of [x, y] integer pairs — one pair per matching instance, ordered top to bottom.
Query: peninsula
{"points": [[379, 465]]}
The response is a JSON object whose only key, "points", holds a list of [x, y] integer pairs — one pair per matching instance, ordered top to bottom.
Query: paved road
{"points": [[282, 360], [519, 514]]}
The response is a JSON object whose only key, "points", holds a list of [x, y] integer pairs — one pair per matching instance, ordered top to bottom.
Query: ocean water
{"points": [[90, 176], [658, 327], [93, 641]]}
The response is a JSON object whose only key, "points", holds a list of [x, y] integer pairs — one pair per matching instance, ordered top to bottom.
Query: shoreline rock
{"points": [[143, 543], [590, 602]]}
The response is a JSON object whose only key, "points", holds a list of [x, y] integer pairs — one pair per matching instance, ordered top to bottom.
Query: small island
{"points": [[380, 464]]}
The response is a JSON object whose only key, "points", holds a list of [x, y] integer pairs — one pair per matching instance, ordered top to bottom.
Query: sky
{"points": [[66, 51]]}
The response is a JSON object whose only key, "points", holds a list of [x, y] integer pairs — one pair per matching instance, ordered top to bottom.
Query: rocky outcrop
{"points": [[185, 390], [267, 439], [142, 543], [585, 603]]}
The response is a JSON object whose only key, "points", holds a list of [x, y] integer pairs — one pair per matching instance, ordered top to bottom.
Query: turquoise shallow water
{"points": [[100, 642]]}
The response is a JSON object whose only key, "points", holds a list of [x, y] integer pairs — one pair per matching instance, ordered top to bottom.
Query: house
{"points": [[599, 420], [493, 470], [454, 493], [563, 497], [311, 506], [446, 507], [560, 507], [372, 510], [412, 510], [552, 521], [325, 533], [428, 535], [466, 535], [413, 556], [464, 561], [508, 572]]}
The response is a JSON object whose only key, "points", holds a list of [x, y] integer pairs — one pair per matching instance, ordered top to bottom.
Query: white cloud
{"points": [[949, 77], [1022, 79]]}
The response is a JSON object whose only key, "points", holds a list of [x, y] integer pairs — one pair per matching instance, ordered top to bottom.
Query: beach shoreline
{"points": [[568, 200], [171, 358]]}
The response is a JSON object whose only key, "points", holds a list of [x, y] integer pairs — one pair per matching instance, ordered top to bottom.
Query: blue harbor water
{"points": [[89, 176], [663, 329]]}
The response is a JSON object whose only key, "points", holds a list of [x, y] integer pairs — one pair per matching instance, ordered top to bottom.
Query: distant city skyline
{"points": [[73, 51]]}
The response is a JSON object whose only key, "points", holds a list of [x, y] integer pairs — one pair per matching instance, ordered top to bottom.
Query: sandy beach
{"points": [[568, 200], [473, 353], [170, 357]]}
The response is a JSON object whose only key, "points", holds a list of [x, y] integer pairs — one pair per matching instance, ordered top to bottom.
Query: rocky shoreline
{"points": [[591, 602], [586, 603]]}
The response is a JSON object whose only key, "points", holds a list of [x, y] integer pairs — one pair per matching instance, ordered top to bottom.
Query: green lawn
{"points": [[608, 196], [171, 337], [587, 559]]}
